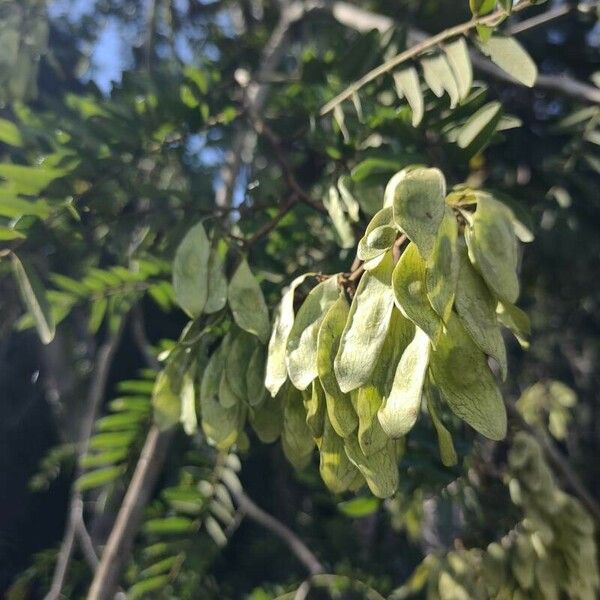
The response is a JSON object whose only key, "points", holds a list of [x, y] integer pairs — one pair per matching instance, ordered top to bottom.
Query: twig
{"points": [[363, 20], [417, 49], [280, 156], [95, 395], [559, 463], [120, 541], [296, 545]]}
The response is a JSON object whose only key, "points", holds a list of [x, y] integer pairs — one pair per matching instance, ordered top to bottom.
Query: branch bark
{"points": [[359, 19], [96, 393], [283, 532]]}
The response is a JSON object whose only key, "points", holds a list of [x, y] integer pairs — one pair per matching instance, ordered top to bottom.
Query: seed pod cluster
{"points": [[352, 367], [549, 554]]}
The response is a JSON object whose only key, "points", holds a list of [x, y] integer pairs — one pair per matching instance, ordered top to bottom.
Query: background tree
{"points": [[244, 145]]}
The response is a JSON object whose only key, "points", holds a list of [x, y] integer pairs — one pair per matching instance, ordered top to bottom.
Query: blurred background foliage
{"points": [[117, 117]]}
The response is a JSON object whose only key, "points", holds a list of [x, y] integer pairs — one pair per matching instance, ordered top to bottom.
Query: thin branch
{"points": [[362, 20], [417, 49], [280, 156], [96, 392], [120, 541], [295, 544]]}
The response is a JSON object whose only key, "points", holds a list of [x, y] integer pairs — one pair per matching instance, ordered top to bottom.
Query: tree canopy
{"points": [[299, 299]]}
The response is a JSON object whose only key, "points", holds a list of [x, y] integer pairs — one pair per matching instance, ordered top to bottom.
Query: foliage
{"points": [[326, 253]]}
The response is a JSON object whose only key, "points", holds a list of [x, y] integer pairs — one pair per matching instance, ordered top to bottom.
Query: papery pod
{"points": [[419, 206], [341, 223], [379, 236], [493, 247], [443, 266], [190, 271], [217, 283], [410, 292], [247, 303], [476, 307], [516, 320], [366, 327], [301, 352], [238, 358], [276, 369], [461, 373], [255, 376], [211, 378], [166, 394], [227, 396], [368, 399], [314, 403], [339, 407], [400, 409], [267, 419], [221, 426], [296, 438], [445, 443], [380, 469], [338, 473], [523, 562], [494, 566], [545, 580]]}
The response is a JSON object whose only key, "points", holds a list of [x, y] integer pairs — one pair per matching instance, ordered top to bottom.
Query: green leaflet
{"points": [[482, 7], [457, 54], [511, 57], [440, 78], [408, 86], [479, 127], [350, 202], [418, 203], [335, 208], [379, 235], [493, 247], [442, 267], [190, 271], [217, 283], [410, 292], [34, 298], [248, 303], [476, 307], [516, 320], [365, 328], [301, 355], [237, 362], [276, 370], [461, 373], [255, 376], [227, 396], [314, 403], [339, 407], [399, 411], [267, 419], [221, 426], [296, 439], [445, 444], [380, 469], [336, 470]]}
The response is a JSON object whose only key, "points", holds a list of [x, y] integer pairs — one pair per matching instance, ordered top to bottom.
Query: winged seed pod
{"points": [[348, 369]]}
